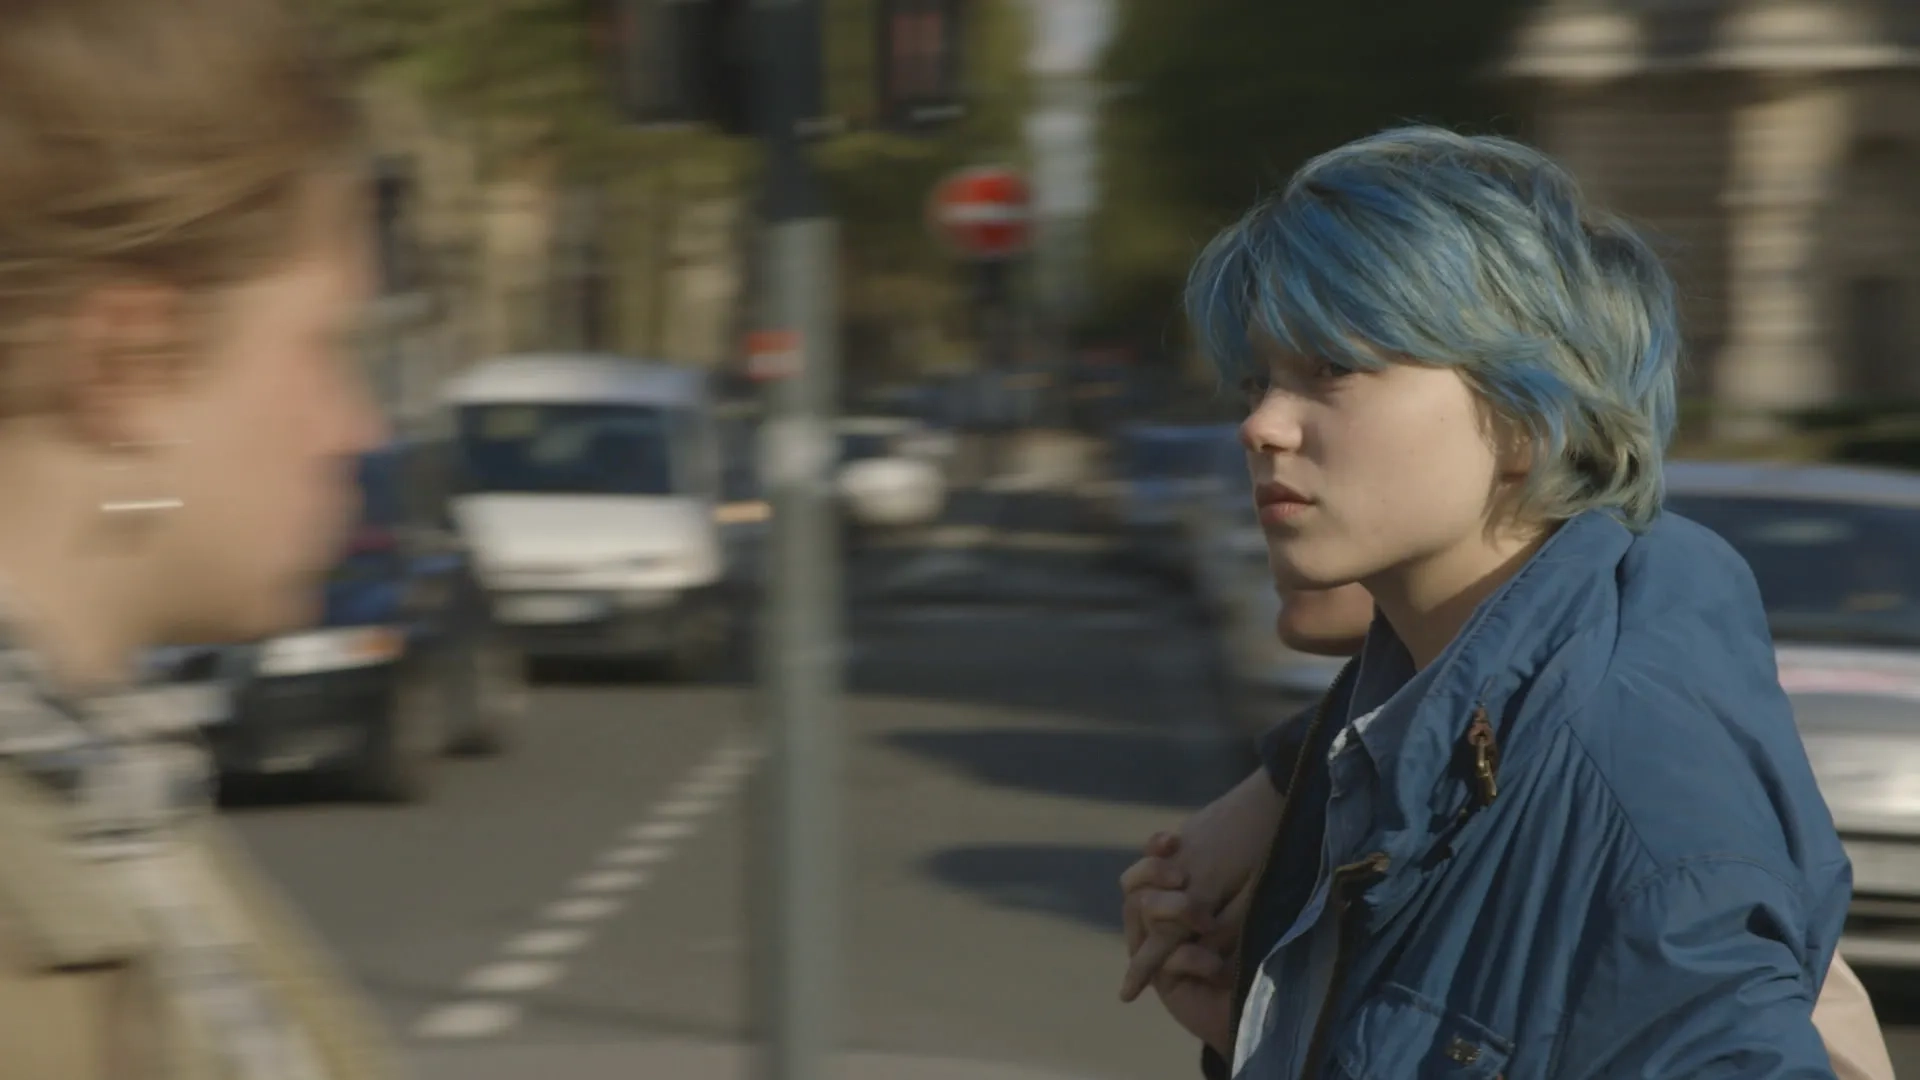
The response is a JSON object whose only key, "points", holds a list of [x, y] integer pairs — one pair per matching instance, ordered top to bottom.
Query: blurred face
{"points": [[270, 427], [1362, 474], [1325, 622]]}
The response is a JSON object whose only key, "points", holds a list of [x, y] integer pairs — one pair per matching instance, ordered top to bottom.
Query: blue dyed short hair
{"points": [[1426, 246]]}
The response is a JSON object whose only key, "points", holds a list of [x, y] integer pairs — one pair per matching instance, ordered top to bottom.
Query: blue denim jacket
{"points": [[1590, 843]]}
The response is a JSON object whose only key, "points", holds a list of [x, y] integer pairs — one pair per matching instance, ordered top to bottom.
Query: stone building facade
{"points": [[1773, 148], [509, 258]]}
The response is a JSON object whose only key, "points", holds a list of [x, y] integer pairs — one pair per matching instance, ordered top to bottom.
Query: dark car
{"points": [[404, 665]]}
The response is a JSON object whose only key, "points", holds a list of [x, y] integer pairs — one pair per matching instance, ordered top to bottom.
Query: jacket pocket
{"points": [[1397, 1034]]}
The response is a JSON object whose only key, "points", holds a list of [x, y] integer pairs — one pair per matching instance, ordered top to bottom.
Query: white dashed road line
{"points": [[637, 855], [609, 881], [581, 909], [547, 942], [534, 959], [513, 976], [470, 1020]]}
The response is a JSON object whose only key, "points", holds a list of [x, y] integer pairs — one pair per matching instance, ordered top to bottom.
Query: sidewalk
{"points": [[681, 1059]]}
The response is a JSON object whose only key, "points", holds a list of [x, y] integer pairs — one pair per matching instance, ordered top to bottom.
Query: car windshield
{"points": [[864, 445], [571, 449], [1829, 570]]}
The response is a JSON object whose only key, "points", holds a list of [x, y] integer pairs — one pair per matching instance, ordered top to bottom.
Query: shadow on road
{"points": [[1134, 666], [1140, 768], [257, 794], [1078, 883], [1896, 997]]}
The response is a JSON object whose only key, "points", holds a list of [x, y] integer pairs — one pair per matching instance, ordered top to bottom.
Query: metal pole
{"points": [[799, 976]]}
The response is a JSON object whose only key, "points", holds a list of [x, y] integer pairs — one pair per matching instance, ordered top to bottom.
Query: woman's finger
{"points": [[1152, 872], [1159, 906], [1143, 909], [1147, 960], [1191, 961]]}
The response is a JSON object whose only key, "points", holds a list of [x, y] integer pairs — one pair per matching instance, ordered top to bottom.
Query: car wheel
{"points": [[701, 640], [491, 701], [397, 765]]}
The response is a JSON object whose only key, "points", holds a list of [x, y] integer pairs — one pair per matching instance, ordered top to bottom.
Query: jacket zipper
{"points": [[1286, 818], [1347, 881]]}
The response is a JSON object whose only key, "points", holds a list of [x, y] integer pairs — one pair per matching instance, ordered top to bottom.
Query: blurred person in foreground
{"points": [[182, 269], [1554, 820], [1163, 920]]}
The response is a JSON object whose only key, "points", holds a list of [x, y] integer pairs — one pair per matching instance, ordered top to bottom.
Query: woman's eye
{"points": [[1330, 370], [1254, 389]]}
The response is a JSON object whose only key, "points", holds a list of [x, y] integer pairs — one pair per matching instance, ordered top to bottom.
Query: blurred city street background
{"points": [[1057, 620], [1007, 756]]}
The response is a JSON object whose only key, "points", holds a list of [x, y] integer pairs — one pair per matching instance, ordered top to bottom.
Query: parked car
{"points": [[892, 472], [1836, 552], [403, 666]]}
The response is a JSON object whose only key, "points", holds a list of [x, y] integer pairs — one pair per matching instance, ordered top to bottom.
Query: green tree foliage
{"points": [[523, 72], [1219, 100], [880, 181]]}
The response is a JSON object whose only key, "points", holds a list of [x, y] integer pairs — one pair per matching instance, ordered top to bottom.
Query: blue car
{"points": [[1164, 471], [403, 666]]}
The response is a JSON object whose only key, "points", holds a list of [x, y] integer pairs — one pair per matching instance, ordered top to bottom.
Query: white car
{"points": [[893, 472]]}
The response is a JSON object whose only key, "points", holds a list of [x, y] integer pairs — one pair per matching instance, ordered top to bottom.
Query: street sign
{"points": [[985, 212], [774, 354]]}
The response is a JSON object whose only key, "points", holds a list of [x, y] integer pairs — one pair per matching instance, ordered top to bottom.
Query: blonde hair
{"points": [[170, 140]]}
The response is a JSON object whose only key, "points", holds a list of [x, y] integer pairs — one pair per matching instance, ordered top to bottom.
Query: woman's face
{"points": [[273, 423], [1357, 474]]}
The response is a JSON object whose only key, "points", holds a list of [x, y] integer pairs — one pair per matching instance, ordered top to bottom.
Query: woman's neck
{"points": [[66, 595], [1428, 601], [70, 634]]}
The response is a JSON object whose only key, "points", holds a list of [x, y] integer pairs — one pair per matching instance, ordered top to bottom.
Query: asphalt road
{"points": [[1015, 724], [579, 908]]}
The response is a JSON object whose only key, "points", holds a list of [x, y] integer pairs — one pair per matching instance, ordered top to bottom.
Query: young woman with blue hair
{"points": [[1554, 819]]}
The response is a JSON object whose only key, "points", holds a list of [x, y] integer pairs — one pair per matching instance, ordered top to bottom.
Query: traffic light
{"points": [[677, 61], [920, 63]]}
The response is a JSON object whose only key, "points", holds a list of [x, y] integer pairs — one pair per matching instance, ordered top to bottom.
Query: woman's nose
{"points": [[1272, 427]]}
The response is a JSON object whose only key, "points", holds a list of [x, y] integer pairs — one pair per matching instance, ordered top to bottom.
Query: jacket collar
{"points": [[1516, 640]]}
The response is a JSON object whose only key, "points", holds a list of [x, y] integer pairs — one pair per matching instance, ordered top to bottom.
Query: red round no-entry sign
{"points": [[985, 211]]}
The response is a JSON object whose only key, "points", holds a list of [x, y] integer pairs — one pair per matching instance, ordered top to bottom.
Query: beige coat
{"points": [[78, 995], [1845, 1019]]}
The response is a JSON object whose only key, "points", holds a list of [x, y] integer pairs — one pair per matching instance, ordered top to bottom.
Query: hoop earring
{"points": [[128, 509]]}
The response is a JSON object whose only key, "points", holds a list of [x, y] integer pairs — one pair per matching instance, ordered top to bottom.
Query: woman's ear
{"points": [[1512, 442], [1515, 448]]}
